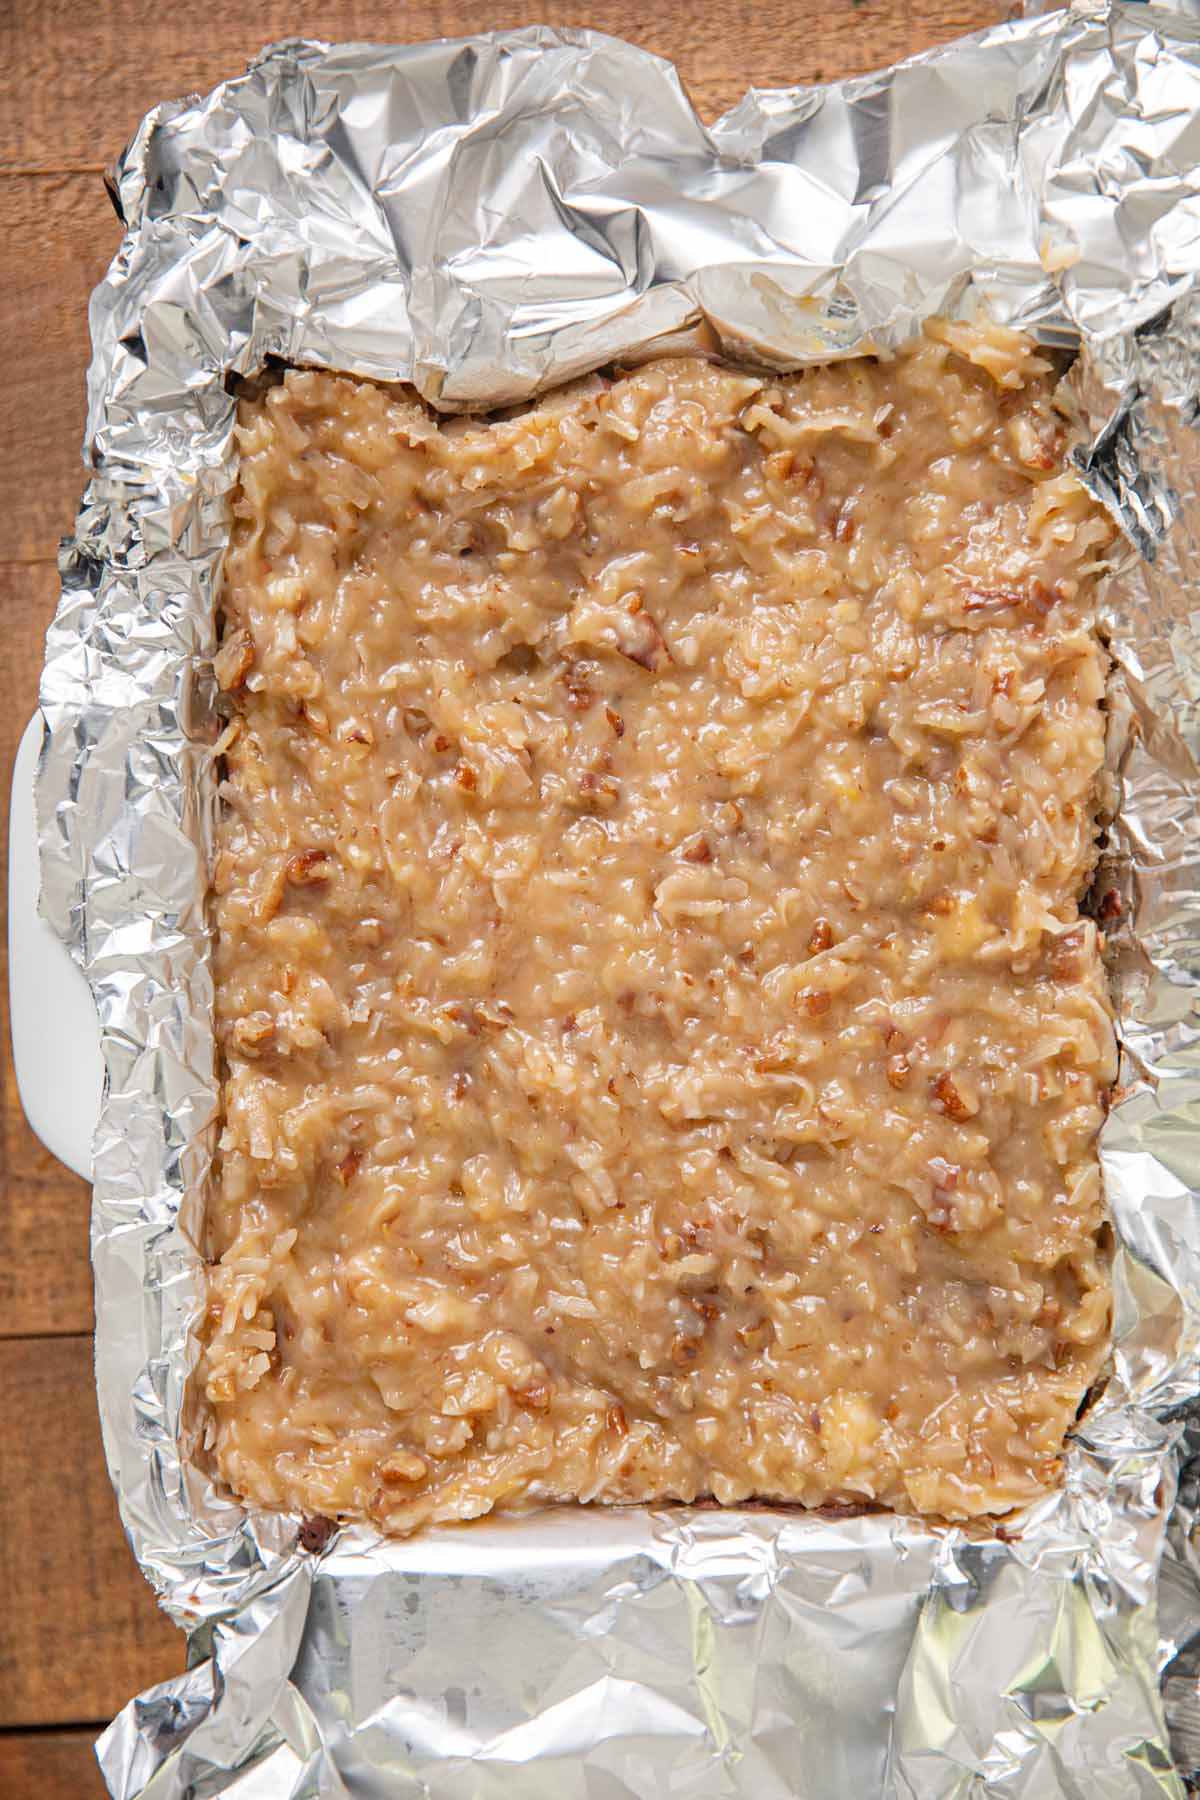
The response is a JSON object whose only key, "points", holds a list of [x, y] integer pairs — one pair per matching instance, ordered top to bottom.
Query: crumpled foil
{"points": [[483, 219]]}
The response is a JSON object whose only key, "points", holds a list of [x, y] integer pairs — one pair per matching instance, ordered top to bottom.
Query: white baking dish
{"points": [[55, 1033]]}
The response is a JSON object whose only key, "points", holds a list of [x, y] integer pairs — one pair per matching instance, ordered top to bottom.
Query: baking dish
{"points": [[55, 1033], [917, 1660]]}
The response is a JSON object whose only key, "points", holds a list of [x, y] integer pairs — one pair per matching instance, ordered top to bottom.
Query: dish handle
{"points": [[55, 1031]]}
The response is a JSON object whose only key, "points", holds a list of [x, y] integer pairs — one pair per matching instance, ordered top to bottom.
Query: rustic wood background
{"points": [[79, 1630]]}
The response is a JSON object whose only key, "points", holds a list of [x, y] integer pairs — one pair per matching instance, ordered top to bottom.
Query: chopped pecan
{"points": [[1038, 442], [1035, 597], [1042, 598], [991, 599], [640, 639], [234, 660], [579, 694], [616, 723], [466, 777], [599, 791], [698, 850], [309, 867], [820, 937], [1064, 958], [815, 1002], [476, 1015], [898, 1071], [954, 1098], [348, 1168], [942, 1212], [536, 1395], [615, 1419]]}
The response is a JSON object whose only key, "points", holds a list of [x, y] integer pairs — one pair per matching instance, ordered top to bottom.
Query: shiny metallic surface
{"points": [[486, 218]]}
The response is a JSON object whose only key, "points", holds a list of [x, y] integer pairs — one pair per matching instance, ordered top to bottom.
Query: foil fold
{"points": [[485, 219]]}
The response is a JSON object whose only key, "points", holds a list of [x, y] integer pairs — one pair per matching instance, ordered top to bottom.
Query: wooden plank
{"points": [[77, 75], [57, 236], [45, 1263], [45, 1274], [80, 1632], [50, 1765]]}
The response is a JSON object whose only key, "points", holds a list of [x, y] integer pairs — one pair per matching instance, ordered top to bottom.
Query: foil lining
{"points": [[484, 219]]}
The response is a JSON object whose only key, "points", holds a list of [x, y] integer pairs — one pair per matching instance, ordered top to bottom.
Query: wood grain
{"points": [[79, 74], [58, 234], [79, 1629], [50, 1765]]}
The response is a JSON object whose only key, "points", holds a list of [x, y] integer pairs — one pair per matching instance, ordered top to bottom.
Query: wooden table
{"points": [[79, 1630]]}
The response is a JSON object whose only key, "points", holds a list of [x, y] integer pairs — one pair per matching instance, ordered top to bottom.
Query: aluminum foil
{"points": [[485, 218]]}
